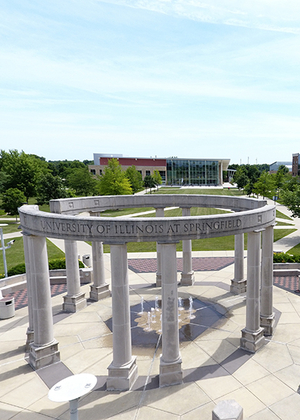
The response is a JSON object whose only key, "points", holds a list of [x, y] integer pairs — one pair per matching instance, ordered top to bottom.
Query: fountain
{"points": [[142, 306], [191, 308], [153, 316], [148, 326]]}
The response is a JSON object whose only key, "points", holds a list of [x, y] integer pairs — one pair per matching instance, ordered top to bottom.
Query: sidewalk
{"points": [[264, 384]]}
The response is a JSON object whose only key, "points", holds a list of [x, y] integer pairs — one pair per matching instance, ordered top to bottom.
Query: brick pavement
{"points": [[149, 265]]}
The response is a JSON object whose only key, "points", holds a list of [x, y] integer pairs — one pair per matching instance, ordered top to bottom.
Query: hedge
{"points": [[283, 257], [59, 263]]}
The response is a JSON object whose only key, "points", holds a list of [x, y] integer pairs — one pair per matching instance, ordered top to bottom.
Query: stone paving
{"points": [[264, 384]]}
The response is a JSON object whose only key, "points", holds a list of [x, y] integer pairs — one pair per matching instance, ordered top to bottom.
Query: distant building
{"points": [[296, 164], [275, 166], [173, 170]]}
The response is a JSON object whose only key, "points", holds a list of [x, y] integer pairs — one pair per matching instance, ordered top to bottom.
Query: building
{"points": [[295, 164], [275, 166], [173, 170]]}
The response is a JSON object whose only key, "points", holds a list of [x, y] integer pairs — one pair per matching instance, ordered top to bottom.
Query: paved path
{"points": [[214, 367]]}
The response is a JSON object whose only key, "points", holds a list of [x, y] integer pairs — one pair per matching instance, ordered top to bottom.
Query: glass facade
{"points": [[192, 172]]}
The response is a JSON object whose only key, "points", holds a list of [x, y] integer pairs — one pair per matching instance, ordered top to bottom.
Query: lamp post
{"points": [[3, 248]]}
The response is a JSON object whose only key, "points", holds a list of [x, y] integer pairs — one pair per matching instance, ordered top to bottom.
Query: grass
{"points": [[207, 191], [195, 211], [126, 212], [282, 215], [284, 224], [222, 243], [295, 250], [15, 254]]}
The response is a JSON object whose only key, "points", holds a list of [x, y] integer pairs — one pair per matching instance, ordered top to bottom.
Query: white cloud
{"points": [[274, 15]]}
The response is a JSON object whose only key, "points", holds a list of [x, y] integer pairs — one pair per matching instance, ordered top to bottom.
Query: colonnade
{"points": [[123, 371]]}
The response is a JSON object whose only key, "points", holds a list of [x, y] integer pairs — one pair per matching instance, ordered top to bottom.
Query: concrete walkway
{"points": [[215, 369]]}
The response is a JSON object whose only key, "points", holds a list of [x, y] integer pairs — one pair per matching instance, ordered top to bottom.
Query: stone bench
{"points": [[227, 410]]}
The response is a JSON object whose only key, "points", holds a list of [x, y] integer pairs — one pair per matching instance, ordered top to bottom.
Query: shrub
{"points": [[283, 257], [59, 263]]}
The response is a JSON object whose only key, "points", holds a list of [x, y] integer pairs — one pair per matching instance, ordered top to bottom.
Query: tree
{"points": [[63, 168], [284, 169], [23, 171], [240, 177], [135, 178], [157, 178], [81, 181], [114, 181], [149, 182], [265, 186], [51, 187], [12, 199], [291, 199]]}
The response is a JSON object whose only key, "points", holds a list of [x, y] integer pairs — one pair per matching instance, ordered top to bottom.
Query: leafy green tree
{"points": [[63, 168], [284, 169], [23, 171], [240, 177], [135, 178], [157, 178], [3, 180], [114, 180], [81, 181], [149, 182], [265, 185], [51, 187], [12, 199], [291, 199]]}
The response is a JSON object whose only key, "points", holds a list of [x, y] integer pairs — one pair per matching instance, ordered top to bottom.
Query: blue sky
{"points": [[186, 78]]}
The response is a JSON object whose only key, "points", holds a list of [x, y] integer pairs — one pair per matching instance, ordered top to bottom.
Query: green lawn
{"points": [[207, 191], [282, 215], [223, 243], [295, 250], [15, 254]]}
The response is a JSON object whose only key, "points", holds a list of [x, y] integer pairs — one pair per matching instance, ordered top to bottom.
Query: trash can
{"points": [[86, 260], [7, 307]]}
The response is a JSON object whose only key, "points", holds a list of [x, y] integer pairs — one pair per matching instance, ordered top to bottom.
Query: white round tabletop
{"points": [[72, 387]]}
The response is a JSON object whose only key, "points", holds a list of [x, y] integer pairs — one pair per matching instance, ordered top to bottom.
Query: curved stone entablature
{"points": [[102, 203], [160, 229]]}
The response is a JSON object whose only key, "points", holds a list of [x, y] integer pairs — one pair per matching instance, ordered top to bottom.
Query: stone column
{"points": [[160, 212], [187, 275], [29, 282], [238, 284], [99, 289], [74, 299], [267, 315], [253, 335], [44, 349], [170, 361], [122, 372]]}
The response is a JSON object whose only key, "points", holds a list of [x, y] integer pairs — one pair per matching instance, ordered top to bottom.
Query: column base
{"points": [[187, 279], [238, 287], [99, 292], [74, 303], [267, 323], [29, 340], [252, 341], [44, 356], [170, 373], [122, 378]]}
